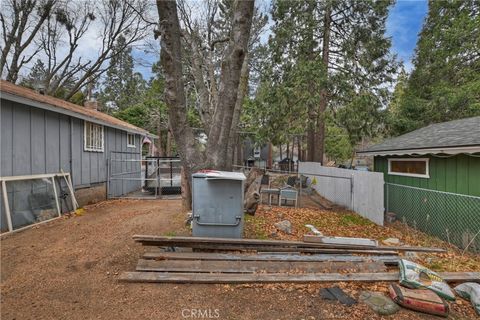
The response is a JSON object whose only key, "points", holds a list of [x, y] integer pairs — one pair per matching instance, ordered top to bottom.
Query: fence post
{"points": [[109, 164], [352, 195], [386, 197]]}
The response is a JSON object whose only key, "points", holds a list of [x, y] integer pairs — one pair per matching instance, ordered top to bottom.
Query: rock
{"points": [[390, 217], [284, 226], [391, 242], [411, 255], [379, 303]]}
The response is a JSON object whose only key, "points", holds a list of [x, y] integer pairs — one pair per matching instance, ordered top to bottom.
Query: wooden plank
{"points": [[340, 240], [197, 241], [221, 247], [392, 259], [211, 266], [167, 277]]}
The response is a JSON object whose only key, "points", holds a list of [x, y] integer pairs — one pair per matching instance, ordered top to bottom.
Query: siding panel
{"points": [[64, 131], [6, 139], [37, 139], [21, 140], [52, 142], [76, 145], [451, 174], [457, 174], [474, 176]]}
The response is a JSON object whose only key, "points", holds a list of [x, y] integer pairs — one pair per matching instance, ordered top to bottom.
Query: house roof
{"points": [[12, 92], [452, 137]]}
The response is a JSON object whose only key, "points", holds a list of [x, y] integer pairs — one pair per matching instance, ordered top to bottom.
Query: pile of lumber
{"points": [[218, 260]]}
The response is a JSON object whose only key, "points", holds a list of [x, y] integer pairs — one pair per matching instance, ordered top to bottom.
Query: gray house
{"points": [[41, 134]]}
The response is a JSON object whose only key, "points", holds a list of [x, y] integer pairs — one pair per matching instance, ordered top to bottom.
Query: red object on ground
{"points": [[422, 300]]}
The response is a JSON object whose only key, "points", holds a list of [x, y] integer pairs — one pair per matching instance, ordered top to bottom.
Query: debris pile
{"points": [[314, 260]]}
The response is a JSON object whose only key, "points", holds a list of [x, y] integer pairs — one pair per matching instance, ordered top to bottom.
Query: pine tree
{"points": [[332, 56], [36, 77], [445, 82], [122, 87]]}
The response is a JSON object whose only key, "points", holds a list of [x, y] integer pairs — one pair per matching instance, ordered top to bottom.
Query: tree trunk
{"points": [[171, 61], [242, 92], [320, 129], [219, 134], [299, 148], [160, 152], [168, 152], [239, 153], [269, 159], [186, 190], [252, 190]]}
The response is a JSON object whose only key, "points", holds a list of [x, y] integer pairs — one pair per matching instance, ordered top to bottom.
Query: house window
{"points": [[93, 137], [130, 140], [411, 167]]}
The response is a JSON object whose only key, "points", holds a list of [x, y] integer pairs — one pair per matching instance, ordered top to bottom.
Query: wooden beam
{"points": [[340, 240], [192, 241], [255, 248], [392, 259], [211, 266], [167, 277]]}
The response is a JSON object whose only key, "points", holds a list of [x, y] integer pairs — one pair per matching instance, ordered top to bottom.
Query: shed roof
{"points": [[12, 92], [452, 137]]}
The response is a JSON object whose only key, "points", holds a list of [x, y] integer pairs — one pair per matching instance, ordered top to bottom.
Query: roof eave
{"points": [[46, 106], [419, 151]]}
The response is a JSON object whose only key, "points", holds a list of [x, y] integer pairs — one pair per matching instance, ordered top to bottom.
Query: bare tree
{"points": [[121, 17], [21, 20], [71, 21], [57, 34], [206, 34], [220, 125]]}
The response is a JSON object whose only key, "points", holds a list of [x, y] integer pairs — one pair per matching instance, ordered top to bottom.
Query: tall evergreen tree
{"points": [[327, 53], [36, 78], [445, 82], [122, 86]]}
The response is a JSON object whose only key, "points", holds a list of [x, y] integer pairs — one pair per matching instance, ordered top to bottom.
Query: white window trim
{"points": [[128, 144], [85, 147], [416, 175]]}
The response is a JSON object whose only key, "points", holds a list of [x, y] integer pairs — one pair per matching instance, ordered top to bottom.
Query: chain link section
{"points": [[452, 217]]}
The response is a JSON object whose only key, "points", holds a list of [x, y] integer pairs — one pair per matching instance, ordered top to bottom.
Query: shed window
{"points": [[93, 137], [130, 140], [412, 167]]}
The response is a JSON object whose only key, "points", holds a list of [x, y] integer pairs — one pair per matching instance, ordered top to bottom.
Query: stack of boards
{"points": [[220, 260]]}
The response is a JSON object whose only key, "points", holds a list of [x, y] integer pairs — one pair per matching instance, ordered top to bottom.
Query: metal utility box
{"points": [[217, 204]]}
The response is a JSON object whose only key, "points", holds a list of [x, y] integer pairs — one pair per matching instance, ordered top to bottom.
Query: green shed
{"points": [[432, 179]]}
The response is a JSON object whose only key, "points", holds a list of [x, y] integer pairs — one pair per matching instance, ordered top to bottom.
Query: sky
{"points": [[404, 23]]}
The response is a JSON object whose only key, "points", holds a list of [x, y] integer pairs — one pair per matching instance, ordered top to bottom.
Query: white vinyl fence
{"points": [[359, 191]]}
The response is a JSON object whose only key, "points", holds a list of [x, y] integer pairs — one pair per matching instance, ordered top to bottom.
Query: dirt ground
{"points": [[68, 269]]}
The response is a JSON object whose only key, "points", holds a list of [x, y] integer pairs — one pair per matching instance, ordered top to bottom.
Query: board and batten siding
{"points": [[37, 141], [456, 174]]}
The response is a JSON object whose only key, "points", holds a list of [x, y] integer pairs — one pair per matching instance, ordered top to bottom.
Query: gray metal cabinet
{"points": [[217, 206]]}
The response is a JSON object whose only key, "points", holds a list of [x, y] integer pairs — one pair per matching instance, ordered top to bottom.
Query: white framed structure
{"points": [[93, 137], [131, 140], [409, 167], [45, 177]]}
